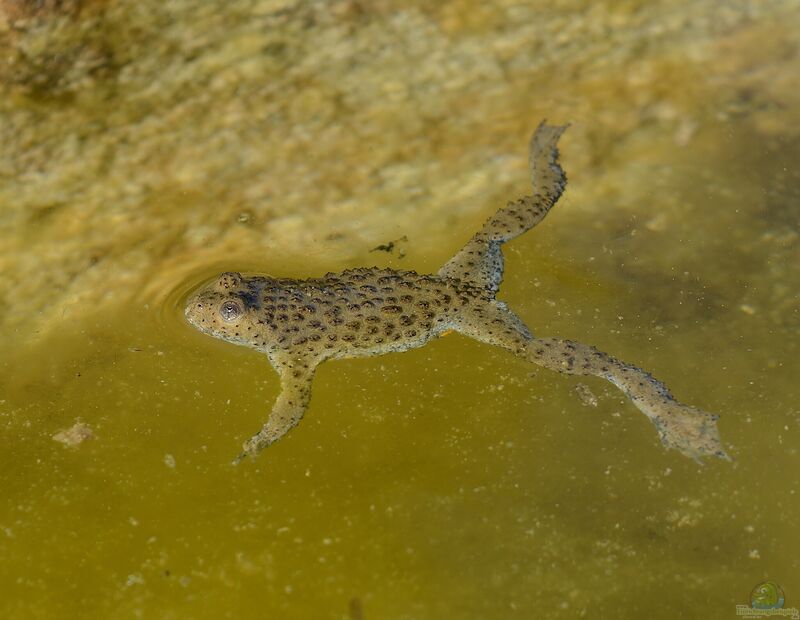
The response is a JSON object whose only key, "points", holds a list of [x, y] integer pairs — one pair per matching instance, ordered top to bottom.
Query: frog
{"points": [[300, 323]]}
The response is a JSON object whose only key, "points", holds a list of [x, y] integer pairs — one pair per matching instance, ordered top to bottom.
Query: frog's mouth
{"points": [[189, 316]]}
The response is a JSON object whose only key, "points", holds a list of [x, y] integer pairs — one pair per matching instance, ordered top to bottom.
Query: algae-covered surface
{"points": [[144, 147]]}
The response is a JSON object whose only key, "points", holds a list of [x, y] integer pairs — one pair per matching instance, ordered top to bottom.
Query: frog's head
{"points": [[228, 309]]}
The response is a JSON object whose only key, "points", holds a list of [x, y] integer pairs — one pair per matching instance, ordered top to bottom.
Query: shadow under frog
{"points": [[362, 312]]}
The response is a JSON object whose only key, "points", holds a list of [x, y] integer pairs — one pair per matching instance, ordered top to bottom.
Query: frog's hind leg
{"points": [[480, 261], [296, 375], [687, 429]]}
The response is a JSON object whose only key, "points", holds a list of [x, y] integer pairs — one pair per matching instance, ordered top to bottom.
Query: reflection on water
{"points": [[159, 148]]}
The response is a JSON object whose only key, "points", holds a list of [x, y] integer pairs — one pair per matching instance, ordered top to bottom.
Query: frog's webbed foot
{"points": [[296, 375], [689, 430]]}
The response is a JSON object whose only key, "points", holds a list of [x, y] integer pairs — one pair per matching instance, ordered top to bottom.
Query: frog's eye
{"points": [[230, 310]]}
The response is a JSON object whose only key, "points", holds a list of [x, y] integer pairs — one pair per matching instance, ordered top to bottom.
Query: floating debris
{"points": [[389, 247], [586, 395], [74, 435], [356, 609]]}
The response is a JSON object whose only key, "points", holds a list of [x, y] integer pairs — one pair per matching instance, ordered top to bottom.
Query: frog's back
{"points": [[365, 311]]}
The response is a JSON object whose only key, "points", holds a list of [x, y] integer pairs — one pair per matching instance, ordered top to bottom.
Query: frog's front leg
{"points": [[296, 374]]}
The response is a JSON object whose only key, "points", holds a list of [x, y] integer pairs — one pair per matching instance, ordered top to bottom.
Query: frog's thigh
{"points": [[493, 323]]}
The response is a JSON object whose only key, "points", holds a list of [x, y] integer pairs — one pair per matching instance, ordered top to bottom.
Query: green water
{"points": [[452, 481], [442, 482]]}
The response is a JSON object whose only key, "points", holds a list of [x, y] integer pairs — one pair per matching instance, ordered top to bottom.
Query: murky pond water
{"points": [[453, 481]]}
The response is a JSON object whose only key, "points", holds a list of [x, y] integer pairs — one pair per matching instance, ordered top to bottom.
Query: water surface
{"points": [[453, 481]]}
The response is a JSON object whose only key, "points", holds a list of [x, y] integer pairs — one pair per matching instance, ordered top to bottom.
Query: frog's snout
{"points": [[193, 309]]}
